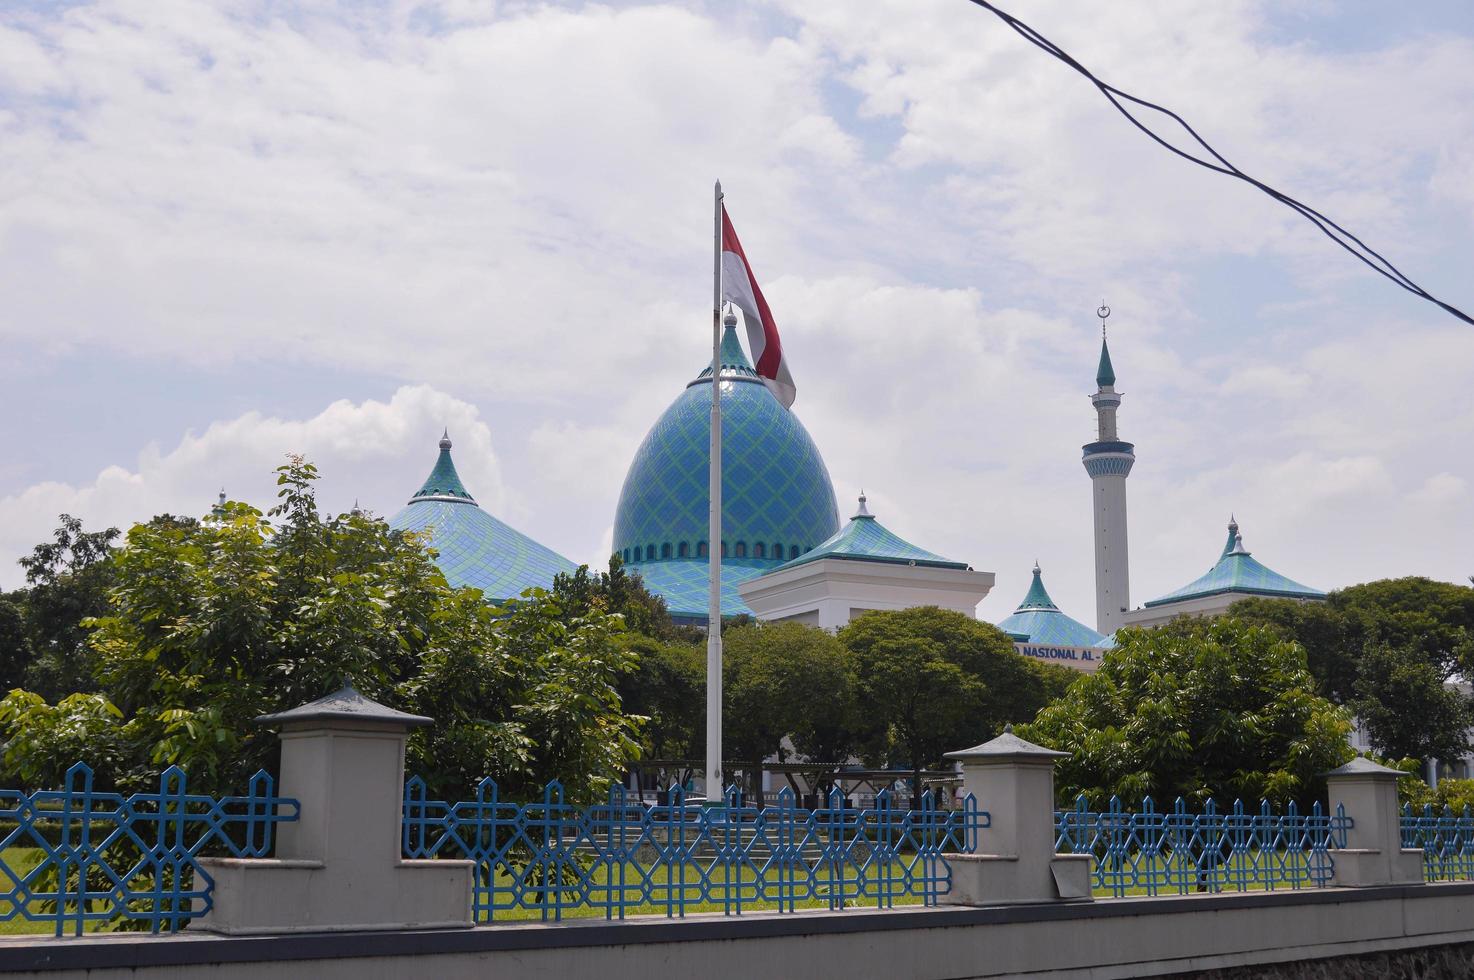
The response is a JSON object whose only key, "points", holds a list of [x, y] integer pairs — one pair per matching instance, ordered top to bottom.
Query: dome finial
{"points": [[730, 320], [1105, 374], [445, 438], [863, 511], [1238, 545]]}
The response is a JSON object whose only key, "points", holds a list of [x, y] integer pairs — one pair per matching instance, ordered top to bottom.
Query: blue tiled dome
{"points": [[777, 499], [472, 547]]}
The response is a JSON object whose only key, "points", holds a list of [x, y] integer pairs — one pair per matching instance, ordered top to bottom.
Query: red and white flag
{"points": [[739, 287]]}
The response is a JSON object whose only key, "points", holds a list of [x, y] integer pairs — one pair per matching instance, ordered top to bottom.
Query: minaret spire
{"points": [[1108, 460]]}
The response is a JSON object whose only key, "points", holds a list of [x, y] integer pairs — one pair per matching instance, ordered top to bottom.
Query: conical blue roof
{"points": [[1105, 375], [443, 480], [777, 498], [866, 539], [472, 548], [1237, 571], [1039, 620]]}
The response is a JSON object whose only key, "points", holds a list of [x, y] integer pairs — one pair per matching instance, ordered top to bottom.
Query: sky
{"points": [[233, 231]]}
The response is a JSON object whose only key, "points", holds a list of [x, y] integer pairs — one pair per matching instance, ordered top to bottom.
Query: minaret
{"points": [[1108, 461]]}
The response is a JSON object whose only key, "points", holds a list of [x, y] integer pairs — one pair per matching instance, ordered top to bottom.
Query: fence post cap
{"points": [[345, 705], [1007, 747], [1362, 766]]}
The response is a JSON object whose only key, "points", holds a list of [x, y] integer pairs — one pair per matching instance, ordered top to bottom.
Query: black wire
{"points": [[1218, 164]]}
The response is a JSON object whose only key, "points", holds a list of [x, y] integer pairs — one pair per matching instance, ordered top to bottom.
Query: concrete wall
{"points": [[1101, 940]]}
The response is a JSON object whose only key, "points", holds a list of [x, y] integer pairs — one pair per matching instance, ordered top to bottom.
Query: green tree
{"points": [[67, 582], [618, 591], [213, 623], [1330, 640], [15, 644], [1386, 648], [784, 680], [930, 681], [668, 688], [531, 698], [1408, 707], [1198, 709]]}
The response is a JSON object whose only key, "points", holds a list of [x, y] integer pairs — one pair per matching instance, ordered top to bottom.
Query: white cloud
{"points": [[511, 202], [375, 452]]}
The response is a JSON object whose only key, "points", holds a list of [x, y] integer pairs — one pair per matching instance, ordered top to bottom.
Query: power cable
{"points": [[1218, 164]]}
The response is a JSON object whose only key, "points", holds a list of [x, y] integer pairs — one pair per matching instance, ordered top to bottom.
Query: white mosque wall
{"points": [[830, 592], [1211, 605], [1084, 659]]}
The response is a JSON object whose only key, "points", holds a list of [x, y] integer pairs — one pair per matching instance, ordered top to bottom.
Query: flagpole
{"points": [[714, 538]]}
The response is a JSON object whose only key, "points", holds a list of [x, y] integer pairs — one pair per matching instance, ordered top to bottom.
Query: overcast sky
{"points": [[233, 231]]}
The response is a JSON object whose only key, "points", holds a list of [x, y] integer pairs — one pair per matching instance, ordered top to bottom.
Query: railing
{"points": [[1446, 840], [1147, 853], [75, 857], [622, 857]]}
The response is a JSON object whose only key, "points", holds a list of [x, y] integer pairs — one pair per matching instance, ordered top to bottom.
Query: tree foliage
{"points": [[67, 582], [619, 591], [213, 623], [15, 642], [1387, 649], [785, 681], [930, 681], [667, 688], [1198, 709]]}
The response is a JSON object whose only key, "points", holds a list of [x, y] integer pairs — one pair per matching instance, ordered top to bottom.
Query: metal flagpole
{"points": [[714, 538]]}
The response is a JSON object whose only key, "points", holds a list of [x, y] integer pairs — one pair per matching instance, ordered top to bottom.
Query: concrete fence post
{"points": [[1013, 780], [1373, 854], [339, 866]]}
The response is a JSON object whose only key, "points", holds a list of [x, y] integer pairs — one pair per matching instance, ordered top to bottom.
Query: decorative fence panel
{"points": [[1446, 839], [1148, 853], [75, 856], [622, 857]]}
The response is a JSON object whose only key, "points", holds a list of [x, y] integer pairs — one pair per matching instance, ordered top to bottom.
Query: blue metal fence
{"points": [[1446, 839], [1147, 852], [75, 856], [622, 857]]}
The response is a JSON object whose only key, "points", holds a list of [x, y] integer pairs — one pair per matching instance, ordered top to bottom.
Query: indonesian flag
{"points": [[739, 287]]}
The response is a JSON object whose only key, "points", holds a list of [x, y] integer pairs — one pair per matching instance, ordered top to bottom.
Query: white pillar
{"points": [[1112, 580], [1013, 781], [1373, 854], [339, 866]]}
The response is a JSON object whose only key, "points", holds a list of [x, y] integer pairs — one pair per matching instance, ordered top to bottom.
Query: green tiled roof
{"points": [[1105, 375], [443, 480], [866, 539], [472, 547], [1237, 571], [1038, 596], [1039, 620]]}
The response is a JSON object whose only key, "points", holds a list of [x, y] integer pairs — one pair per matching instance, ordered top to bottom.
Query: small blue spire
{"points": [[1105, 375], [443, 480], [1233, 536], [1038, 597]]}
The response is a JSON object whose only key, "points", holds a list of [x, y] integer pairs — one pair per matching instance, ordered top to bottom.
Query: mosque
{"points": [[785, 554]]}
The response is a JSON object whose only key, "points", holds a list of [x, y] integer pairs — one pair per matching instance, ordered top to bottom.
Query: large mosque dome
{"points": [[777, 498], [472, 547]]}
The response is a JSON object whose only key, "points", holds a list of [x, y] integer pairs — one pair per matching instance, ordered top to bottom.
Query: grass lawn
{"points": [[20, 861], [1157, 875]]}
